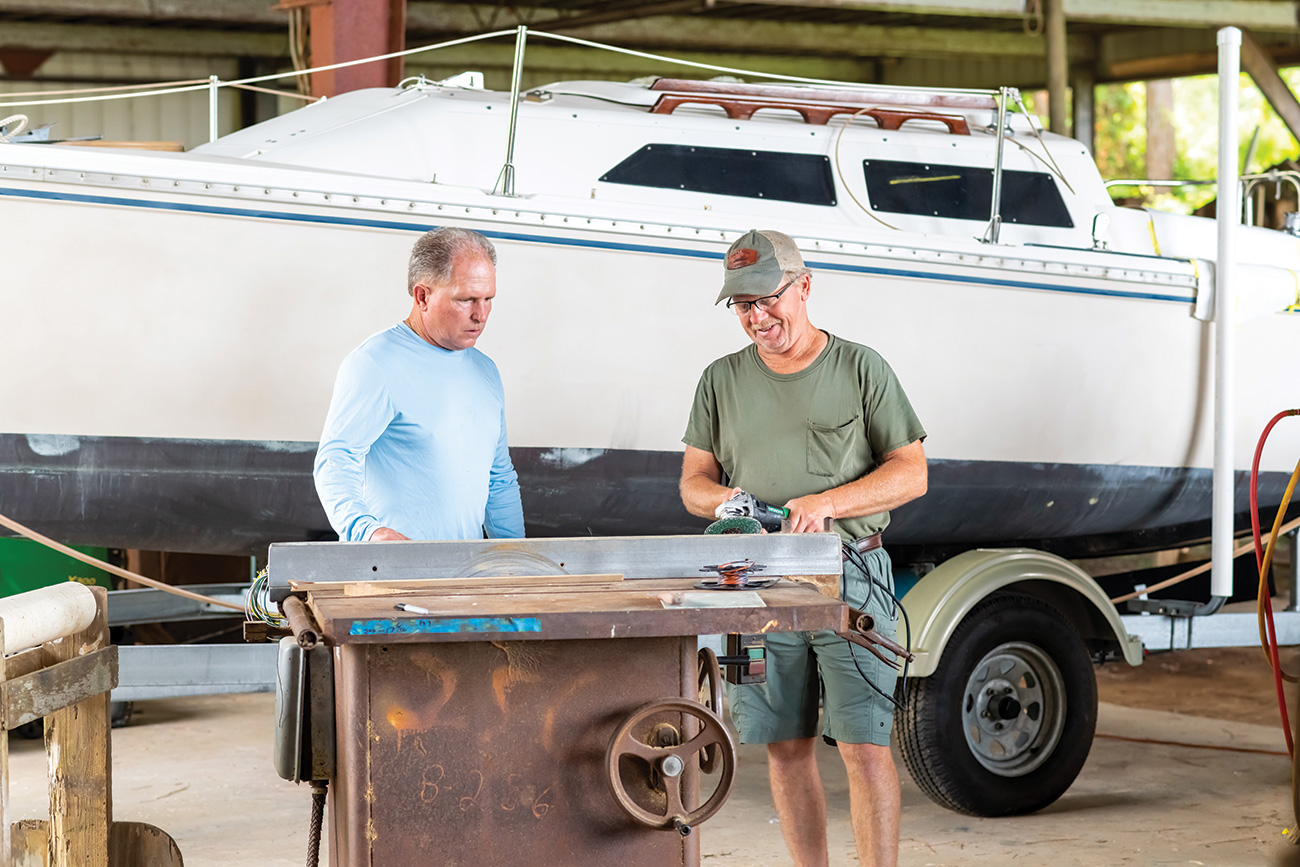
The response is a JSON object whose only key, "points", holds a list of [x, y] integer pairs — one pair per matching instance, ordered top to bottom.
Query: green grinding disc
{"points": [[728, 526]]}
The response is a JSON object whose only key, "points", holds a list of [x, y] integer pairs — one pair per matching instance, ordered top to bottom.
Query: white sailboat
{"points": [[172, 322]]}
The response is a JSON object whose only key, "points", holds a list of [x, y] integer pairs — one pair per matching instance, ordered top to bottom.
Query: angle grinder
{"points": [[744, 513]]}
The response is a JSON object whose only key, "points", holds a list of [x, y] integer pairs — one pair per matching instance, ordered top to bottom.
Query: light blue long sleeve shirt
{"points": [[415, 440]]}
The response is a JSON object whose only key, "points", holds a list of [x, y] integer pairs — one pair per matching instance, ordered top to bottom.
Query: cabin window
{"points": [[785, 177], [964, 193]]}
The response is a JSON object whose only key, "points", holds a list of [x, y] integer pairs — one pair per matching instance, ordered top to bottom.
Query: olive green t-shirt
{"points": [[781, 436]]}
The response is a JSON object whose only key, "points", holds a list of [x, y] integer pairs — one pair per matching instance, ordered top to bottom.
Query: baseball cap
{"points": [[757, 261]]}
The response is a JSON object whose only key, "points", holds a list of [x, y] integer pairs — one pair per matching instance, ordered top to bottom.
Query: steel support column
{"points": [[343, 30], [1058, 64]]}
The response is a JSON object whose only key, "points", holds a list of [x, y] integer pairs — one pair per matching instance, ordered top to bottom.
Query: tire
{"points": [[119, 713], [1006, 721]]}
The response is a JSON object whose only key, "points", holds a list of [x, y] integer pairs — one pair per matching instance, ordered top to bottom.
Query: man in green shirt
{"points": [[821, 425]]}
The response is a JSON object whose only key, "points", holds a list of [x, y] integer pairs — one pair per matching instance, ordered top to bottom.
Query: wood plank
{"points": [[1262, 14], [1258, 63], [435, 585], [829, 586], [625, 610], [32, 659], [40, 693], [77, 741], [6, 838], [131, 844]]}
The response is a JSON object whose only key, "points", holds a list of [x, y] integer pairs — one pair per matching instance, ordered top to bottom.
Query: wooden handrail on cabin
{"points": [[866, 96], [739, 108]]}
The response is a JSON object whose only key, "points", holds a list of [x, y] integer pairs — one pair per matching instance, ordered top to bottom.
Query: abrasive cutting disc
{"points": [[737, 525]]}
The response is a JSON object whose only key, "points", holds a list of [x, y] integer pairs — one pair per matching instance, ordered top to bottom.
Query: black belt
{"points": [[865, 544]]}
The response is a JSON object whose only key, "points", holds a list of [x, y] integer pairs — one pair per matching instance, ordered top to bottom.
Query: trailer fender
{"points": [[940, 600]]}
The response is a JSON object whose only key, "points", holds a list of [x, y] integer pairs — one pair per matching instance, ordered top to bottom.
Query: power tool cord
{"points": [[858, 560], [318, 790]]}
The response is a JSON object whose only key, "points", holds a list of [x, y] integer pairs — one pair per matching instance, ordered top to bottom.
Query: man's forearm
{"points": [[900, 478], [885, 488], [702, 495]]}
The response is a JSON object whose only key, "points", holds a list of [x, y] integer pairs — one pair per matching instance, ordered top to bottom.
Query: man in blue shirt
{"points": [[414, 445]]}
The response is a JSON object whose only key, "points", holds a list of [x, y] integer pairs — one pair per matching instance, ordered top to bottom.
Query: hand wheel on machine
{"points": [[709, 694], [653, 794]]}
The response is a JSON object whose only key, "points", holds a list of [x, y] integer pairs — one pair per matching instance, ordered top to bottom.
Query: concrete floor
{"points": [[200, 769]]}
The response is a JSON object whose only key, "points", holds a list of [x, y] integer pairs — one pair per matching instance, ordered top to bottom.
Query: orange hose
{"points": [[1264, 559]]}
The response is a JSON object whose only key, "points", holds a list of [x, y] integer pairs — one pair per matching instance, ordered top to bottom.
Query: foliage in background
{"points": [[1196, 133], [1121, 135]]}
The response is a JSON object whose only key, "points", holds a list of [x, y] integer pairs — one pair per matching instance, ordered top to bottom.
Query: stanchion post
{"points": [[213, 110]]}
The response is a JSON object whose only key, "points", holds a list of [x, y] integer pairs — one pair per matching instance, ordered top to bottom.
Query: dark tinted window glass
{"points": [[804, 178], [964, 193]]}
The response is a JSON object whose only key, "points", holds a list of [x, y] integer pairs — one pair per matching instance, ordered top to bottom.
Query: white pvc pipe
{"points": [[1228, 212], [38, 616]]}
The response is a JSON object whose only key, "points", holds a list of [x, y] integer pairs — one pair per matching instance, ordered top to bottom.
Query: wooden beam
{"points": [[641, 10], [261, 12], [1257, 14], [1260, 14], [672, 34], [119, 39], [1142, 55], [1256, 61], [549, 62], [1058, 63], [1179, 65], [1084, 106], [29, 697], [81, 762], [6, 824]]}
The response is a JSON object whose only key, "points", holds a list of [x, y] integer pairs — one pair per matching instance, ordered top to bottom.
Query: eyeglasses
{"points": [[742, 308]]}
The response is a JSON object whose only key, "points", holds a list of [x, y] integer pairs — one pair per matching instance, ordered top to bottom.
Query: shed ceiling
{"points": [[979, 43]]}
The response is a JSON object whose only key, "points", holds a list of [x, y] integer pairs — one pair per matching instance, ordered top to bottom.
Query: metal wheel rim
{"points": [[1012, 746]]}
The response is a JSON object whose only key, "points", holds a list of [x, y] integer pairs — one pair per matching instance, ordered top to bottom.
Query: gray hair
{"points": [[434, 255]]}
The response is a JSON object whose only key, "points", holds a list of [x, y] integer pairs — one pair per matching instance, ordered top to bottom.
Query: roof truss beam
{"points": [[259, 12], [1259, 14], [702, 34], [118, 39]]}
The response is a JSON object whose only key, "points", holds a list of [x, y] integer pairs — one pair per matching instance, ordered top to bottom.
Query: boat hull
{"points": [[233, 497]]}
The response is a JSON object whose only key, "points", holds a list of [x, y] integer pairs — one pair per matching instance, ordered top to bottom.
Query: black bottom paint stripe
{"points": [[236, 497]]}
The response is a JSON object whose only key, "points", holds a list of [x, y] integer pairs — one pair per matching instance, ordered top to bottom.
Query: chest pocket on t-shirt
{"points": [[831, 447]]}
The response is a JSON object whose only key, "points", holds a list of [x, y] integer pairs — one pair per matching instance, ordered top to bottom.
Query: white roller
{"points": [[38, 616]]}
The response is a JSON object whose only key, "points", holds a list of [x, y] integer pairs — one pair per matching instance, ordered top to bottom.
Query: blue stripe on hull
{"points": [[262, 214]]}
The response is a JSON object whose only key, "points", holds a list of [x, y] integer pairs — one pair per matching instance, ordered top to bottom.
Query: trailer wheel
{"points": [[1005, 723]]}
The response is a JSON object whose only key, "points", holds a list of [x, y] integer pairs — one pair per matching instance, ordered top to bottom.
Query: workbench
{"points": [[514, 719]]}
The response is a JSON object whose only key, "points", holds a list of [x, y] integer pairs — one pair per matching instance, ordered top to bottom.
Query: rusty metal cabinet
{"points": [[474, 728]]}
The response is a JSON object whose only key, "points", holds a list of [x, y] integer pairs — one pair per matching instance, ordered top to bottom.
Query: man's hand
{"points": [[808, 514], [384, 534]]}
